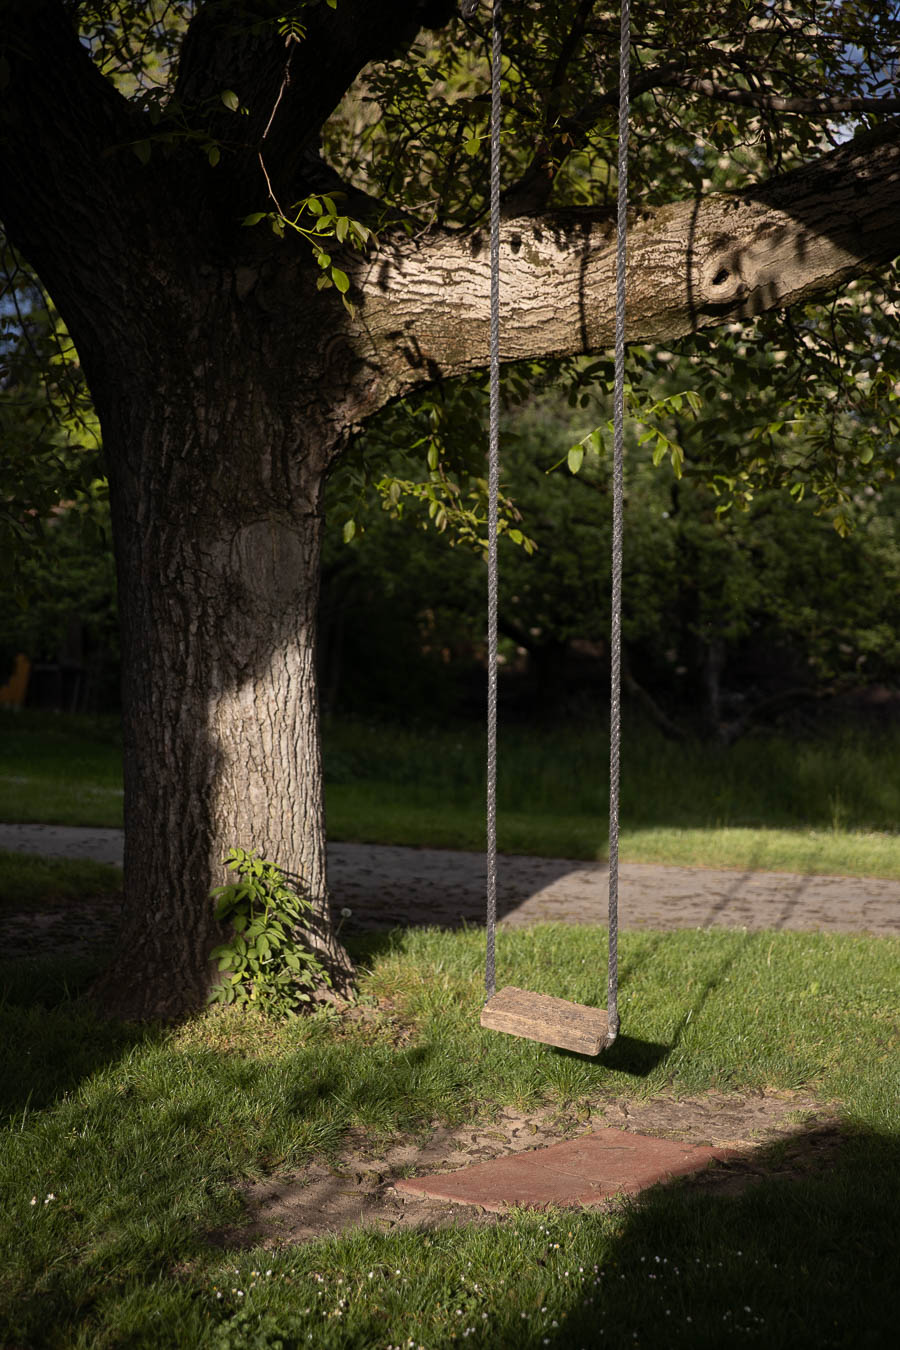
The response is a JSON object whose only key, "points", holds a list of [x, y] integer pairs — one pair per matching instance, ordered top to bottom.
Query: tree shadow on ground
{"points": [[51, 1043], [792, 1246]]}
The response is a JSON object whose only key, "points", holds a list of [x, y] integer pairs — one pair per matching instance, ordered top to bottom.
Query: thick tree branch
{"points": [[289, 85], [71, 188], [691, 265]]}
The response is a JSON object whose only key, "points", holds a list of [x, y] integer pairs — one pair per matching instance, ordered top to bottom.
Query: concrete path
{"points": [[387, 887]]}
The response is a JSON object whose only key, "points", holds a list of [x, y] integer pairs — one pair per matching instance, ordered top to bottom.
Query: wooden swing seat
{"points": [[553, 1021]]}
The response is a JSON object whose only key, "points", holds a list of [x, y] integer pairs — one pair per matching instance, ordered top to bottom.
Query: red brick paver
{"points": [[584, 1171]]}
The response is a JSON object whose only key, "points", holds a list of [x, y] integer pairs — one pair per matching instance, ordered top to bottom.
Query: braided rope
{"points": [[493, 493], [618, 513], [615, 695]]}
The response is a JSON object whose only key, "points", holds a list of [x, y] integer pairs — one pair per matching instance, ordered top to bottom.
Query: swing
{"points": [[519, 1012]]}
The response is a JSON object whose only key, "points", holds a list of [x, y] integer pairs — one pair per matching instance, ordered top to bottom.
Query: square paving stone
{"points": [[584, 1171]]}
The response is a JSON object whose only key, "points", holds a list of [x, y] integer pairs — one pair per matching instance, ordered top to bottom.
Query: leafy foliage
{"points": [[54, 534], [771, 588], [265, 964]]}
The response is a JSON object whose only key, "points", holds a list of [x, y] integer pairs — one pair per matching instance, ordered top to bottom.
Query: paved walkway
{"points": [[389, 887]]}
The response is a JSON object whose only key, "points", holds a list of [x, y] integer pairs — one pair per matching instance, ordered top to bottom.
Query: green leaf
{"points": [[230, 99], [142, 150], [213, 154], [314, 206], [254, 218], [341, 228], [323, 259], [340, 279], [575, 458], [349, 530]]}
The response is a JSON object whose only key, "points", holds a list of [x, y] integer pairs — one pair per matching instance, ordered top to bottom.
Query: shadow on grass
{"points": [[50, 1044], [791, 1249], [803, 1256]]}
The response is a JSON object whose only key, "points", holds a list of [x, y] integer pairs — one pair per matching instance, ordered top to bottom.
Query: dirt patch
{"points": [[66, 927], [776, 1133]]}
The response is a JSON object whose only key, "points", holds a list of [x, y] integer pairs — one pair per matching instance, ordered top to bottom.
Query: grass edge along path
{"points": [[826, 805], [361, 816], [355, 817], [123, 1145]]}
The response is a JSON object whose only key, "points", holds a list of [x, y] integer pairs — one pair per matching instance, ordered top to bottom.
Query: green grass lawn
{"points": [[827, 805], [31, 882], [121, 1147]]}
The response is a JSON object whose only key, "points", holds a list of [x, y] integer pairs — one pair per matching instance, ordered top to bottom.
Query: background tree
{"points": [[147, 151]]}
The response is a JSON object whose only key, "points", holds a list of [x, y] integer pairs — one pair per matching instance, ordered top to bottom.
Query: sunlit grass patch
{"points": [[130, 1142]]}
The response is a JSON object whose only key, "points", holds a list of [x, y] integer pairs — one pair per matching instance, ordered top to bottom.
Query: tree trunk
{"points": [[217, 512]]}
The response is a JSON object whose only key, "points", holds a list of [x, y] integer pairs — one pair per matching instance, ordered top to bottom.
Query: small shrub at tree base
{"points": [[264, 964]]}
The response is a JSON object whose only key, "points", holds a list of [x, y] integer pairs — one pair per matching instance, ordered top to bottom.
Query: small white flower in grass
{"points": [[34, 1199]]}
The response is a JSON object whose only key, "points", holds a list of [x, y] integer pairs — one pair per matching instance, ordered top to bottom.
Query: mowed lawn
{"points": [[827, 805], [124, 1150]]}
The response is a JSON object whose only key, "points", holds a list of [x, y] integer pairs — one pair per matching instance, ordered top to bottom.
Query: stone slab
{"points": [[573, 1174]]}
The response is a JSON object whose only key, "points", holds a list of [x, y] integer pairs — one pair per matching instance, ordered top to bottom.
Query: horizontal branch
{"points": [[673, 76], [759, 98], [691, 265]]}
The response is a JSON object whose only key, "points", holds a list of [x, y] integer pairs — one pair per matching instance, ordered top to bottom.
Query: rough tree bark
{"points": [[226, 384]]}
